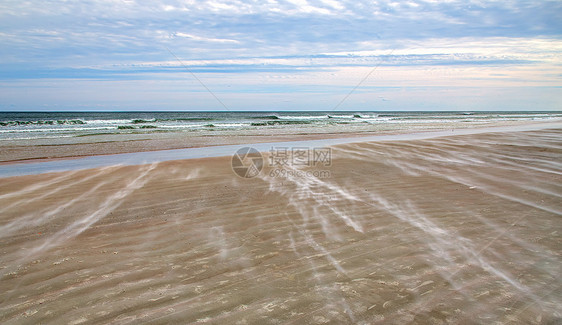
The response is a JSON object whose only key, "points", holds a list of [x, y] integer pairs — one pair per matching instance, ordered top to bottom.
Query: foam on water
{"points": [[15, 126]]}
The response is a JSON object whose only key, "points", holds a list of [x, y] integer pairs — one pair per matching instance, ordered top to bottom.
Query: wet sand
{"points": [[458, 229]]}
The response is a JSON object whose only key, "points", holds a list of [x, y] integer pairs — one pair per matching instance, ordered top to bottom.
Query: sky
{"points": [[280, 55]]}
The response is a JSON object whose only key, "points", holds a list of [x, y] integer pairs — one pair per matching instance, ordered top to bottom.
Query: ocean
{"points": [[44, 125]]}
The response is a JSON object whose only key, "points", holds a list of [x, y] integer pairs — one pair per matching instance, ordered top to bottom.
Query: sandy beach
{"points": [[285, 162], [459, 229]]}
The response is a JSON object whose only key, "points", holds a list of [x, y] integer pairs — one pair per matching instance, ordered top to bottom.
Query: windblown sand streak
{"points": [[460, 229]]}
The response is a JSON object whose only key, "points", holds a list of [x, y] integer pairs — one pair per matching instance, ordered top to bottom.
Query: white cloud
{"points": [[334, 4], [302, 6], [205, 39], [432, 43], [540, 50]]}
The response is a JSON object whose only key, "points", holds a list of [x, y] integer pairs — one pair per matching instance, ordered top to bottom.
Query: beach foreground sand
{"points": [[459, 229]]}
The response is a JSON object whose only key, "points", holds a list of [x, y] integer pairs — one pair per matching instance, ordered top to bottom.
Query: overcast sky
{"points": [[280, 55]]}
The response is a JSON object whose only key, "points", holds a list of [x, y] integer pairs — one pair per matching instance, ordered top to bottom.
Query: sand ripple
{"points": [[458, 229]]}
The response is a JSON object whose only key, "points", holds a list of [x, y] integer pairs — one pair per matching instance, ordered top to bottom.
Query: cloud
{"points": [[205, 39], [296, 40]]}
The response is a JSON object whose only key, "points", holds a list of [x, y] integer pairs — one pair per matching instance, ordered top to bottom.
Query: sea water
{"points": [[45, 125]]}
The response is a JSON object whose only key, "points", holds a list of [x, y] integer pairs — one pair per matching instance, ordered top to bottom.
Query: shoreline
{"points": [[18, 151], [47, 165]]}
